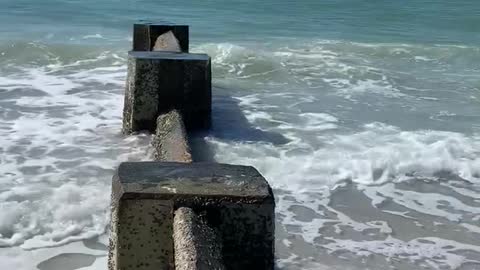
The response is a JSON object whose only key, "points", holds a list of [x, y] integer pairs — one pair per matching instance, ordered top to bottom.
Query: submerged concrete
{"points": [[145, 35], [158, 82], [170, 140], [237, 201], [197, 246]]}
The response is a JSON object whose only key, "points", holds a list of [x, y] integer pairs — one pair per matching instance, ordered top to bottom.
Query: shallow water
{"points": [[362, 116]]}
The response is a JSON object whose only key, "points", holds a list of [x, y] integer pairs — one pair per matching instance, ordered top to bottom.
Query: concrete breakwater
{"points": [[172, 213]]}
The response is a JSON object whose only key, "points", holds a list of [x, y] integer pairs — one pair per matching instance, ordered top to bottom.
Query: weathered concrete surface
{"points": [[146, 33], [167, 42], [158, 82], [141, 97], [170, 142], [165, 180], [237, 201], [140, 236], [196, 245]]}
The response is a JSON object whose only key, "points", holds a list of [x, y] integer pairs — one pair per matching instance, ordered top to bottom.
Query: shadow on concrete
{"points": [[229, 124]]}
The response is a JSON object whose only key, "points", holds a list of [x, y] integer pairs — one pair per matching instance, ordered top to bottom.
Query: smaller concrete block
{"points": [[145, 35], [167, 42], [170, 142]]}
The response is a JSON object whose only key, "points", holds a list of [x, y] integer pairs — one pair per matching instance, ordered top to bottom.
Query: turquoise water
{"points": [[419, 22], [363, 115]]}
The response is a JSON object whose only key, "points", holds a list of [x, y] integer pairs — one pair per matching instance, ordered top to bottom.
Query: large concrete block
{"points": [[145, 34], [158, 82], [236, 202]]}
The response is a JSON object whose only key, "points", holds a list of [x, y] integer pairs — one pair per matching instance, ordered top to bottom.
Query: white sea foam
{"points": [[93, 36], [312, 66], [61, 140], [60, 143], [397, 154], [375, 158], [423, 250], [19, 259]]}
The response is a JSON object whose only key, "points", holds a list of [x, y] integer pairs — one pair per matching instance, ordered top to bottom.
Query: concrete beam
{"points": [[145, 34], [167, 42], [158, 82], [170, 142], [237, 201], [197, 246]]}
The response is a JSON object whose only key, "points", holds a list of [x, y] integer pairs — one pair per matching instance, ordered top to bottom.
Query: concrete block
{"points": [[145, 34], [158, 82], [170, 142], [237, 201], [197, 246]]}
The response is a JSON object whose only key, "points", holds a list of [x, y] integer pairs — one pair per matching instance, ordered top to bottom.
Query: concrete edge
{"points": [[170, 142], [196, 245]]}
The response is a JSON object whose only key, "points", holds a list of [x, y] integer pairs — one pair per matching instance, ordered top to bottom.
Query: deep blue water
{"points": [[409, 21]]}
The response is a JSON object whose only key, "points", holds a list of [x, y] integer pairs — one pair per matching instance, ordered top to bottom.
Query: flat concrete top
{"points": [[159, 23], [168, 55], [210, 179]]}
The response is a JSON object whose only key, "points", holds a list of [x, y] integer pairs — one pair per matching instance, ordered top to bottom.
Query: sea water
{"points": [[364, 116]]}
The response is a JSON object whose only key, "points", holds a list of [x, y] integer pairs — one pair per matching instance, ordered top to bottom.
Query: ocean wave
{"points": [[33, 54], [343, 68], [61, 118], [60, 142], [377, 155], [407, 182], [363, 193]]}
